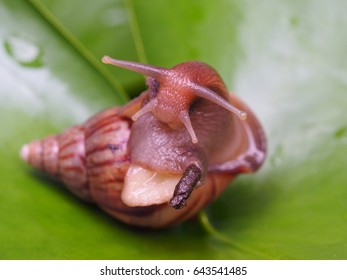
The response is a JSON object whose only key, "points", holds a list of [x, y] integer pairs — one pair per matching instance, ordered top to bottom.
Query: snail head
{"points": [[174, 90]]}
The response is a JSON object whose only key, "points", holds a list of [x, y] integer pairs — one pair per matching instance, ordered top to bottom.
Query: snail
{"points": [[162, 157]]}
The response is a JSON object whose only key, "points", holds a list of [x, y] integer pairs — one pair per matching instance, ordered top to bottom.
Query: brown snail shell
{"points": [[95, 158]]}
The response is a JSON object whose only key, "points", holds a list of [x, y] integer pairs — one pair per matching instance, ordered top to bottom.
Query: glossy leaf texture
{"points": [[286, 59]]}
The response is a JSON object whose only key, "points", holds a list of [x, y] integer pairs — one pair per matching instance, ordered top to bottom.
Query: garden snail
{"points": [[163, 156]]}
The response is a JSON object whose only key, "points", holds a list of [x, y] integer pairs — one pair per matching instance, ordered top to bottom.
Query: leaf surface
{"points": [[285, 59]]}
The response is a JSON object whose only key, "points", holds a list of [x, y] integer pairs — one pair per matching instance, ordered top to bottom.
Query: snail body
{"points": [[162, 157]]}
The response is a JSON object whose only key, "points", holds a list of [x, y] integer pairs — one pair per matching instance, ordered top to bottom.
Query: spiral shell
{"points": [[92, 159]]}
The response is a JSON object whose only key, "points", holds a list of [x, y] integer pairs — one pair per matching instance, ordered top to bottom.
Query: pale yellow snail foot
{"points": [[143, 187]]}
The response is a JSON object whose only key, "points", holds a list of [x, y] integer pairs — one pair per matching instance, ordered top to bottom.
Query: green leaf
{"points": [[286, 59]]}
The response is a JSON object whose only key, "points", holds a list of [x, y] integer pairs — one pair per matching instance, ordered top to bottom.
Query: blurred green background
{"points": [[286, 59]]}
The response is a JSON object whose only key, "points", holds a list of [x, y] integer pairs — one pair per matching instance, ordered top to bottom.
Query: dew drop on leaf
{"points": [[24, 51]]}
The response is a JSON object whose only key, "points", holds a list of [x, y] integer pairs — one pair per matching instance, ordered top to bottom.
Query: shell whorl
{"points": [[42, 154], [79, 155], [63, 157]]}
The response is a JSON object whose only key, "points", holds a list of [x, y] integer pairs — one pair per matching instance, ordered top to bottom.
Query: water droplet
{"points": [[24, 51], [341, 132]]}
